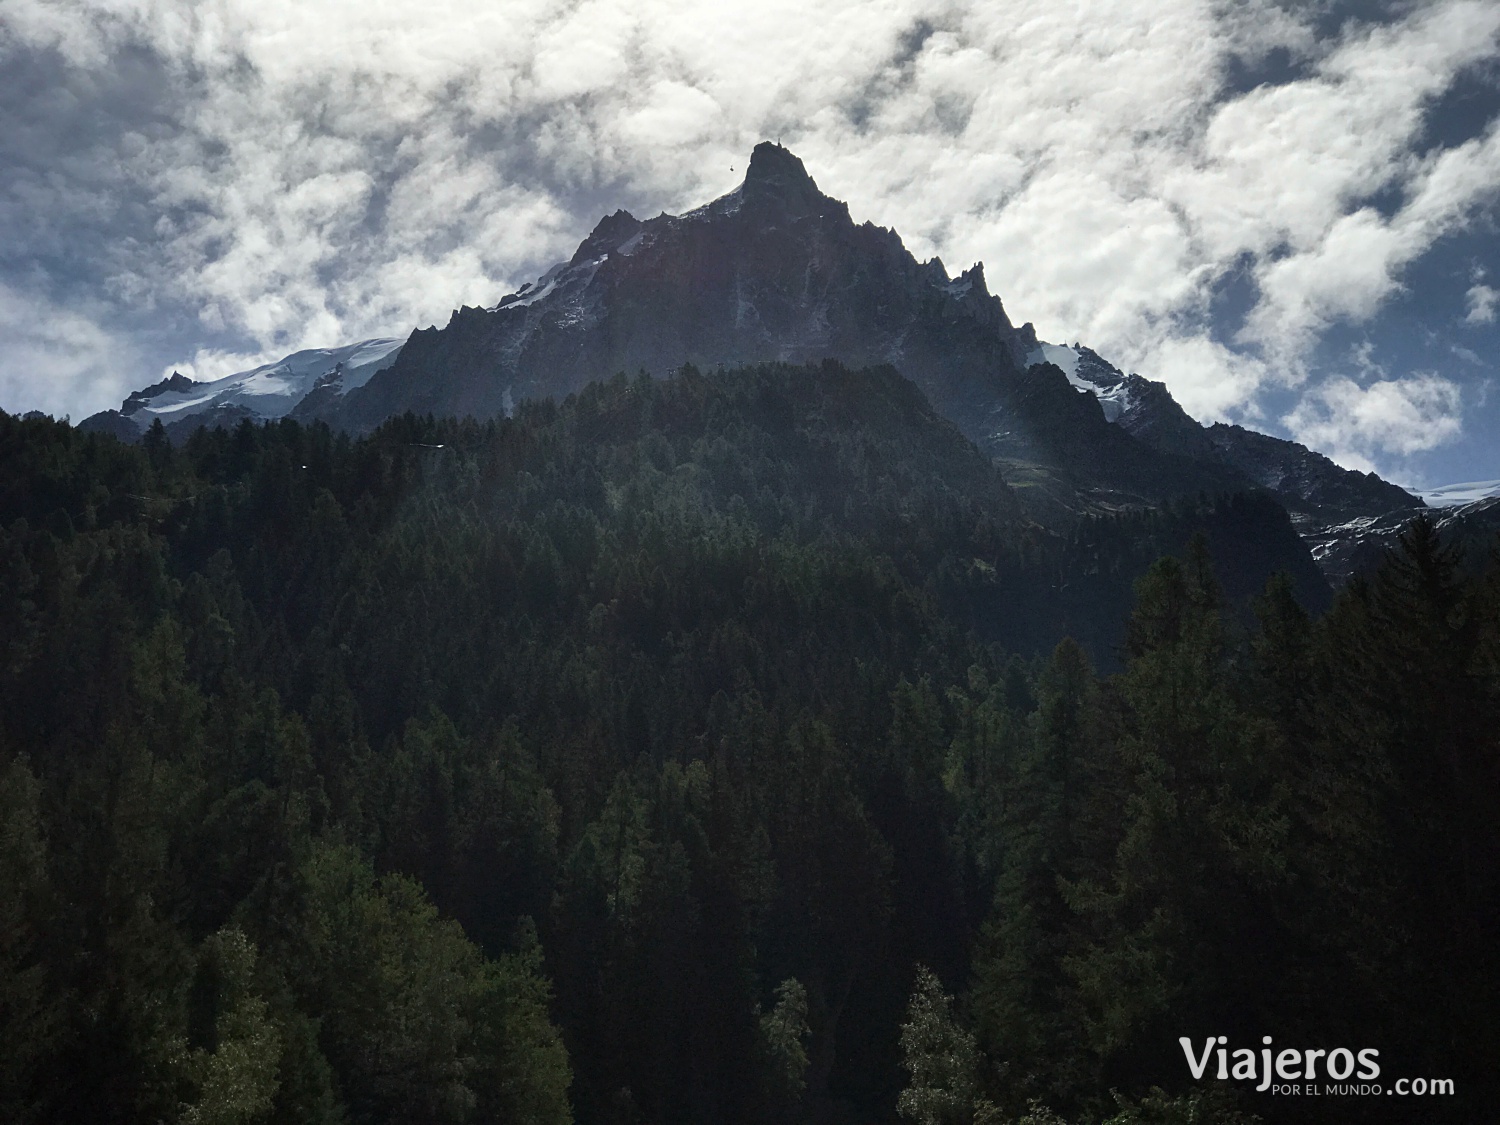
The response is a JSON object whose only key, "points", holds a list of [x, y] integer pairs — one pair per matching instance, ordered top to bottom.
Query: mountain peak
{"points": [[771, 161], [777, 173], [610, 232]]}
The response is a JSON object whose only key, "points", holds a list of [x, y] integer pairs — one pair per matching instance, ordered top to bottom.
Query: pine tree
{"points": [[1201, 841], [1022, 996], [30, 1009], [784, 1034], [941, 1058], [234, 1069]]}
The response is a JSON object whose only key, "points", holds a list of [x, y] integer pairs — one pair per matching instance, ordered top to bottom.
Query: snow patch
{"points": [[727, 204], [570, 284], [530, 294], [1064, 357], [1109, 386], [273, 389], [1115, 400], [158, 407]]}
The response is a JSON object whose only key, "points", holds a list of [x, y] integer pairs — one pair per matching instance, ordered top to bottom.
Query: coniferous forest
{"points": [[729, 748]]}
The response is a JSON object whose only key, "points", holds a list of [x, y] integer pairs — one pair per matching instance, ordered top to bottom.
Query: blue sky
{"points": [[1290, 212]]}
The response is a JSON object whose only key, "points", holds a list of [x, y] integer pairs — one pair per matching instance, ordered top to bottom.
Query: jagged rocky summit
{"points": [[773, 271], [778, 271]]}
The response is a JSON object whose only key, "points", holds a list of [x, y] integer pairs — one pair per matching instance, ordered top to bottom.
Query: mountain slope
{"points": [[801, 453], [1315, 490], [1338, 511]]}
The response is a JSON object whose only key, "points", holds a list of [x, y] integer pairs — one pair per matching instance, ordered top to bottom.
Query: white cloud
{"points": [[1294, 162], [310, 173], [1483, 301], [54, 358], [1210, 381], [1357, 425]]}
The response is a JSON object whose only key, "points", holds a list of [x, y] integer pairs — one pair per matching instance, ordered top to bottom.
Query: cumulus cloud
{"points": [[224, 182], [1483, 302], [1354, 424]]}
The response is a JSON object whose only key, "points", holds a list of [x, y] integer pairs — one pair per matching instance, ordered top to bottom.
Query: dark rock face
{"points": [[776, 271], [322, 398], [1155, 418], [1314, 489]]}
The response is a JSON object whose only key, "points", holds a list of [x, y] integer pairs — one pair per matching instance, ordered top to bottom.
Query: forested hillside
{"points": [[714, 750]]}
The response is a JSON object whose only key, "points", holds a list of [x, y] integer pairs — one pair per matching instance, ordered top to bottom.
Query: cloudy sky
{"points": [[1290, 212]]}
